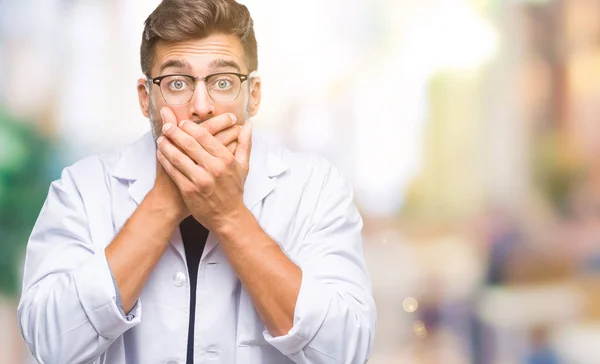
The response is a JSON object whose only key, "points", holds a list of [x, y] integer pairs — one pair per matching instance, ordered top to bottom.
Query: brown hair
{"points": [[180, 20]]}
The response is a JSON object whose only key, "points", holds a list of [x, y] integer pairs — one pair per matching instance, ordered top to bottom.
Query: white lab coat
{"points": [[68, 312]]}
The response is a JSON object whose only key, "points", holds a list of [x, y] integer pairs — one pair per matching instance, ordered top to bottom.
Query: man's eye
{"points": [[222, 84], [177, 85]]}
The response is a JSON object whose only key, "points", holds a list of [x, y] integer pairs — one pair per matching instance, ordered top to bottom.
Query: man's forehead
{"points": [[213, 52], [200, 63]]}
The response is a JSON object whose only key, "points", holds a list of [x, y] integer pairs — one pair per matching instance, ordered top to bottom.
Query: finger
{"points": [[168, 116], [218, 123], [229, 135], [225, 137], [206, 140], [187, 143], [232, 147], [242, 154], [179, 160], [179, 178]]}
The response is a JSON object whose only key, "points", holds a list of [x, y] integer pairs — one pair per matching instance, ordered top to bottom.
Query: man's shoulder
{"points": [[293, 158], [100, 165], [298, 165]]}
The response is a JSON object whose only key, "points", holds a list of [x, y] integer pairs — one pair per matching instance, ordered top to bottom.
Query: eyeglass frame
{"points": [[243, 78]]}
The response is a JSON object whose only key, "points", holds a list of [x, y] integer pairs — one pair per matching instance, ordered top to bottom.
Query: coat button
{"points": [[179, 279], [212, 352]]}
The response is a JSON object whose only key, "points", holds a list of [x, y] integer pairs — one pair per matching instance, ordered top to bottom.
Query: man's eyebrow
{"points": [[176, 63], [223, 63]]}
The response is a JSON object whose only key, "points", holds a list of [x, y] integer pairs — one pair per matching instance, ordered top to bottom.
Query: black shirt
{"points": [[194, 237]]}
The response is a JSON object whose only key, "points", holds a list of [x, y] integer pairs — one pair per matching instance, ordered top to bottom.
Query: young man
{"points": [[198, 243]]}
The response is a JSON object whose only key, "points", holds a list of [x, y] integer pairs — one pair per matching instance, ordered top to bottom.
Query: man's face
{"points": [[199, 57]]}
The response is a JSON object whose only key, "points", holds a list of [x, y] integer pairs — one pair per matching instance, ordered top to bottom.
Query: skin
{"points": [[203, 154]]}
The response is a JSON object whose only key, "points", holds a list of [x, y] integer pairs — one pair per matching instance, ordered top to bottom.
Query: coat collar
{"points": [[137, 165]]}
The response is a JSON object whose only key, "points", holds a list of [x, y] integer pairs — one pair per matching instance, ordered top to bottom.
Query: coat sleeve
{"points": [[68, 312], [335, 315]]}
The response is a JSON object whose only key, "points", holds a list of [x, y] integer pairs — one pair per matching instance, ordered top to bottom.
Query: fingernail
{"points": [[162, 115], [233, 118], [182, 122], [167, 126], [160, 139]]}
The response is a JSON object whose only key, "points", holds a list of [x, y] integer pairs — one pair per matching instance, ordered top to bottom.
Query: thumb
{"points": [[167, 115], [242, 153], [160, 169]]}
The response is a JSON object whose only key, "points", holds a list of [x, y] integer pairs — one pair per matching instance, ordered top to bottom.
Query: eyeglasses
{"points": [[178, 89]]}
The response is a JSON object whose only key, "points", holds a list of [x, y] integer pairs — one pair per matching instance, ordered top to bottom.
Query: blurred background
{"points": [[468, 129]]}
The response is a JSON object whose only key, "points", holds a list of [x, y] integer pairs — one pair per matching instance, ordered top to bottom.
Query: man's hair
{"points": [[180, 20]]}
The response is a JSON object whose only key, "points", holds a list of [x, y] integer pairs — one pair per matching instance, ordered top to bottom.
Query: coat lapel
{"points": [[137, 168]]}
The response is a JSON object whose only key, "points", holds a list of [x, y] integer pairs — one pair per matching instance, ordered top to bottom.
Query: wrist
{"points": [[162, 206], [236, 223]]}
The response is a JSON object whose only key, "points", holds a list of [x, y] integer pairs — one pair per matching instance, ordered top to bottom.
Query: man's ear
{"points": [[255, 94], [144, 97]]}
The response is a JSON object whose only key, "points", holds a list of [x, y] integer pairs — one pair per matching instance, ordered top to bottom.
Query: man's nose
{"points": [[201, 105]]}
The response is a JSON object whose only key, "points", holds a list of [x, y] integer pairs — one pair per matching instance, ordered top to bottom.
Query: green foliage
{"points": [[24, 181]]}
